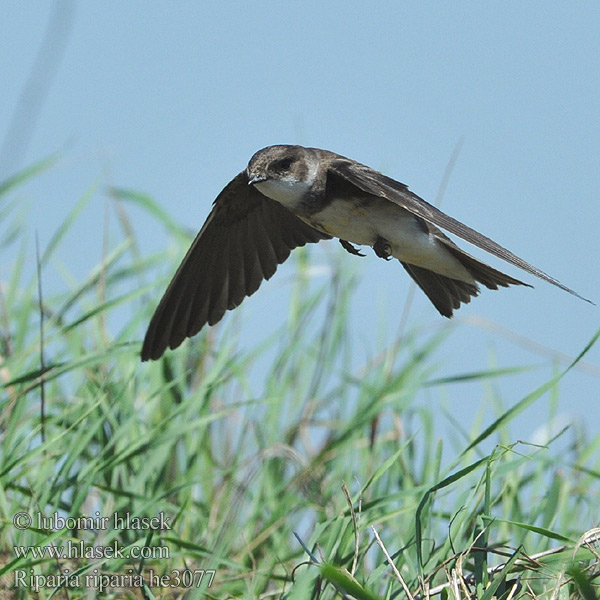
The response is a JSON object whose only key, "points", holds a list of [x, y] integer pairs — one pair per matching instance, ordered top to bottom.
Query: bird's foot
{"points": [[350, 248], [383, 248]]}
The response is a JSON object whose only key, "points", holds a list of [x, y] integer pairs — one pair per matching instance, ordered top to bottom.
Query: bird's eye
{"points": [[284, 164]]}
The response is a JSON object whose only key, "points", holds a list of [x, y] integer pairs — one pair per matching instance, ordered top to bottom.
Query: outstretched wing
{"points": [[374, 183], [245, 237]]}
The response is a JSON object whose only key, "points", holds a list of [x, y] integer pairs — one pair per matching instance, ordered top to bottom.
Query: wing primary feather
{"points": [[244, 239], [252, 266], [237, 276]]}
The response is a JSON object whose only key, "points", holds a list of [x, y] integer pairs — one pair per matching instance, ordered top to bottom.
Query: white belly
{"points": [[362, 224]]}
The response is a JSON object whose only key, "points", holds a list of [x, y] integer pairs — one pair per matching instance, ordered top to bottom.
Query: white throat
{"points": [[289, 191]]}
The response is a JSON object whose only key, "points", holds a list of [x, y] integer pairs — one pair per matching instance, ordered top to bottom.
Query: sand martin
{"points": [[289, 196]]}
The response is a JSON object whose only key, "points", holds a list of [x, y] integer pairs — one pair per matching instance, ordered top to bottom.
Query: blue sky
{"points": [[172, 99]]}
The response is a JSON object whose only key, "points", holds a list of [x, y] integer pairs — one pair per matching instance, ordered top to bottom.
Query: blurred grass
{"points": [[329, 483]]}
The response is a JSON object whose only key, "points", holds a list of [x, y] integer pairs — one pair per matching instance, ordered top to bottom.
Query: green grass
{"points": [[327, 483]]}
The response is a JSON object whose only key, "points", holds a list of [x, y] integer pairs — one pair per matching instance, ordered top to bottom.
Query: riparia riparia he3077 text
{"points": [[289, 196]]}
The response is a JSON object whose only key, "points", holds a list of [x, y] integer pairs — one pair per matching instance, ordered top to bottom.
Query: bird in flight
{"points": [[289, 196]]}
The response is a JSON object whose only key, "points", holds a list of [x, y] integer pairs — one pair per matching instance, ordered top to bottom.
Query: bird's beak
{"points": [[256, 179]]}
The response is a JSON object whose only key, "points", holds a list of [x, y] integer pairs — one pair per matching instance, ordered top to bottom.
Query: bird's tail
{"points": [[448, 294]]}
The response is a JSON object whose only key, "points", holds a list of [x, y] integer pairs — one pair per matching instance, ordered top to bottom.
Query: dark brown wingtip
{"points": [[151, 350], [147, 352], [144, 355], [147, 355]]}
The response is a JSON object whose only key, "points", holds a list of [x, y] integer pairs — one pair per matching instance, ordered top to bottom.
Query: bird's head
{"points": [[283, 173]]}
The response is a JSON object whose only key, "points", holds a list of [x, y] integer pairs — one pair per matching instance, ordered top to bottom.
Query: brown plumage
{"points": [[290, 196]]}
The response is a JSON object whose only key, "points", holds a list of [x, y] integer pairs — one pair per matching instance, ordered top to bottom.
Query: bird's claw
{"points": [[350, 248], [383, 248]]}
